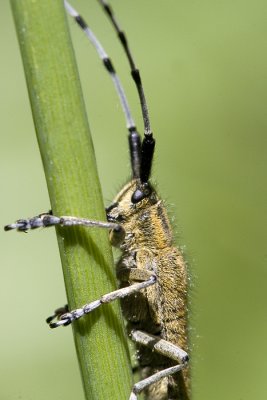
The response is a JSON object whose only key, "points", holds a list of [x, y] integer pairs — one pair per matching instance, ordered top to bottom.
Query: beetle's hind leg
{"points": [[164, 348]]}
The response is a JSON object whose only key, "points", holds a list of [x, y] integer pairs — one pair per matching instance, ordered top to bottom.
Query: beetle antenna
{"points": [[134, 137], [148, 144]]}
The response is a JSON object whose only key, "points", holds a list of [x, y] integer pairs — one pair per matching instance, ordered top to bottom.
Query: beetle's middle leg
{"points": [[147, 278]]}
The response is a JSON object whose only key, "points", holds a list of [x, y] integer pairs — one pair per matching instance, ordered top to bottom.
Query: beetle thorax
{"points": [[146, 223]]}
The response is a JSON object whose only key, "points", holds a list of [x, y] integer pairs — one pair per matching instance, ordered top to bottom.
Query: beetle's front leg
{"points": [[41, 220], [45, 220]]}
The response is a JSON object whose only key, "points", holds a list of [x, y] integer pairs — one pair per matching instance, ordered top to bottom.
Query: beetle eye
{"points": [[140, 194]]}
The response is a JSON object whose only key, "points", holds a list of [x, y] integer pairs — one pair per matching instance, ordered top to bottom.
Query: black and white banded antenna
{"points": [[134, 71], [134, 137], [148, 144], [141, 153]]}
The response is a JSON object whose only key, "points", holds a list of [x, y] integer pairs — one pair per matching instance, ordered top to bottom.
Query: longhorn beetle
{"points": [[151, 271]]}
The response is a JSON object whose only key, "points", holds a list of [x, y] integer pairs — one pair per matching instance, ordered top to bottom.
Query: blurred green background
{"points": [[204, 69]]}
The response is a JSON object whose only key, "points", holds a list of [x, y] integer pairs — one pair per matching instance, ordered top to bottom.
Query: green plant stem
{"points": [[69, 164]]}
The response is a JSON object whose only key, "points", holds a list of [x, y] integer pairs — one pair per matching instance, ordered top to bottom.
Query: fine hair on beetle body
{"points": [[151, 270]]}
